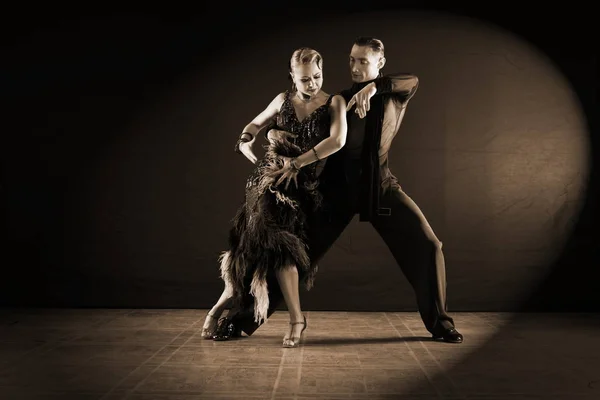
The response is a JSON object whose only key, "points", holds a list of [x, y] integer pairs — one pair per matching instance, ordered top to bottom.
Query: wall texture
{"points": [[122, 197]]}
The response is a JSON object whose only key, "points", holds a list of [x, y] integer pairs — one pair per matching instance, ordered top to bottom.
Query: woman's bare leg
{"points": [[289, 284], [210, 323]]}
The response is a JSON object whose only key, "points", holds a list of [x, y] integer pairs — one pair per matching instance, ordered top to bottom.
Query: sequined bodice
{"points": [[311, 130]]}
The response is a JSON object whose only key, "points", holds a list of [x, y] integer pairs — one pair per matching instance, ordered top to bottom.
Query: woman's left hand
{"points": [[287, 172]]}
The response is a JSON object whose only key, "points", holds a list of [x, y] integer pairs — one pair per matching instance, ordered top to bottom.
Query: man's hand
{"points": [[362, 99], [279, 135], [248, 152], [287, 172]]}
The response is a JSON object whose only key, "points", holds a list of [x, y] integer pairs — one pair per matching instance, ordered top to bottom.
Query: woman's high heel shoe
{"points": [[208, 332], [291, 342]]}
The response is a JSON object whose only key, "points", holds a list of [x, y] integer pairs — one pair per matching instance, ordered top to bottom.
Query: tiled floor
{"points": [[159, 355]]}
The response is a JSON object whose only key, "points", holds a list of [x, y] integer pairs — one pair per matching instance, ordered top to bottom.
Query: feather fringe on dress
{"points": [[268, 231]]}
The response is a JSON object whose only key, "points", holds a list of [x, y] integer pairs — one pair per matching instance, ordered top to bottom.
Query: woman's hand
{"points": [[248, 152], [288, 173]]}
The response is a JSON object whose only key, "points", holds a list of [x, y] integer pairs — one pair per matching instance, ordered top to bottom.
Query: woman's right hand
{"points": [[248, 152]]}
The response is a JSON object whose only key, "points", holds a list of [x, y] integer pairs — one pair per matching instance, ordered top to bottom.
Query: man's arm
{"points": [[404, 85], [401, 87]]}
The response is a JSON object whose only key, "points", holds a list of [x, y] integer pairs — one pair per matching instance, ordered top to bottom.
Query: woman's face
{"points": [[308, 79]]}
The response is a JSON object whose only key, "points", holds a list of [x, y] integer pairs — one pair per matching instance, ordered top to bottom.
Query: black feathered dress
{"points": [[270, 228]]}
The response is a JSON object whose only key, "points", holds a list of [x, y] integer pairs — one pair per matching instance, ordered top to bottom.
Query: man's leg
{"points": [[325, 227], [419, 254]]}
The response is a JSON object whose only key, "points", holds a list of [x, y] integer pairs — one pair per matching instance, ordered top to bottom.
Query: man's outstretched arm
{"points": [[404, 85], [401, 86]]}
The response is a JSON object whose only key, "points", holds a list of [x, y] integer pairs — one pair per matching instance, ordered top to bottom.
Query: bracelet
{"points": [[243, 139], [316, 154], [293, 165]]}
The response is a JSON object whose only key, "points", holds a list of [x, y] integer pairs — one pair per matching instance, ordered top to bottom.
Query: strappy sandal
{"points": [[207, 333], [292, 342]]}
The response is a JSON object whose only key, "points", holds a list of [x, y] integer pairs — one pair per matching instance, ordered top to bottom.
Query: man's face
{"points": [[365, 63]]}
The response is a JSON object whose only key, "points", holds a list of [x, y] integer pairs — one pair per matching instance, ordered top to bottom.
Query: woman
{"points": [[269, 231]]}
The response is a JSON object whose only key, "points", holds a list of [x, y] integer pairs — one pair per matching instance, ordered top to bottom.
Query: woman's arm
{"points": [[263, 119], [248, 136], [336, 140]]}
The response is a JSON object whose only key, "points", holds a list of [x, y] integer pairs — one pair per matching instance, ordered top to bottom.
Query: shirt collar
{"points": [[359, 85]]}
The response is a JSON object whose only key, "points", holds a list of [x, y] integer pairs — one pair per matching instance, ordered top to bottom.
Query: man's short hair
{"points": [[374, 44]]}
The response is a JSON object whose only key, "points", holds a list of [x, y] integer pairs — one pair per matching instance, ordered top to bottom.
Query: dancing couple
{"points": [[324, 164]]}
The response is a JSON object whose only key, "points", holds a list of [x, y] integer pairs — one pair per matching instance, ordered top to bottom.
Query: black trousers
{"points": [[406, 232]]}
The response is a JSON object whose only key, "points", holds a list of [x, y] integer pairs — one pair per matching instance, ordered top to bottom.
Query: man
{"points": [[357, 179]]}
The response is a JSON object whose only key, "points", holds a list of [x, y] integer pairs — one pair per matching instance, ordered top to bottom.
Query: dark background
{"points": [[119, 180]]}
